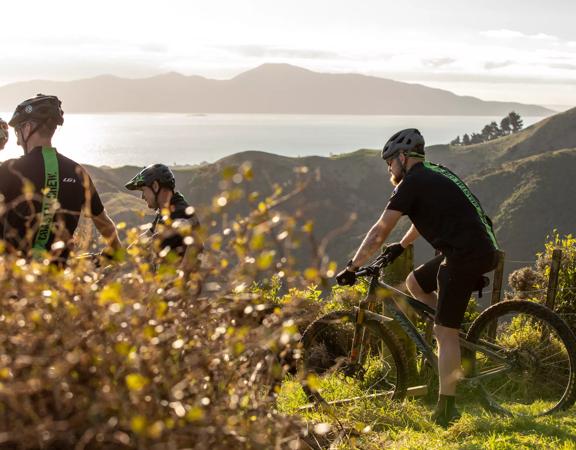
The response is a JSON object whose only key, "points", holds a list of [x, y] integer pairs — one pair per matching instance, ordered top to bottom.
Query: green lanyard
{"points": [[49, 197]]}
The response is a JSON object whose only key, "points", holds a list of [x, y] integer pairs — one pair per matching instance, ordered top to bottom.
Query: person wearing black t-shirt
{"points": [[43, 193], [444, 211], [176, 223]]}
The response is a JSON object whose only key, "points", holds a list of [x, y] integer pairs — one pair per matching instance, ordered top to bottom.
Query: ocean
{"points": [[187, 139]]}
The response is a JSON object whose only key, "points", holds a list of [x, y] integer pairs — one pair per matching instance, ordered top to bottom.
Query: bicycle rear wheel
{"points": [[527, 365], [330, 377]]}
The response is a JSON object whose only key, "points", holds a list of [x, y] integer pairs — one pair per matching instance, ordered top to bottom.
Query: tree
{"points": [[515, 122], [505, 126], [485, 133], [476, 138], [466, 139], [455, 141]]}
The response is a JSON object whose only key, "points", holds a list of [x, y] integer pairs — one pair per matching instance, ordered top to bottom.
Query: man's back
{"points": [[23, 183], [444, 211]]}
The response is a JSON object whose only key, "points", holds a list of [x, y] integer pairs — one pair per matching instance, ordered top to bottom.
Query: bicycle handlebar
{"points": [[373, 270]]}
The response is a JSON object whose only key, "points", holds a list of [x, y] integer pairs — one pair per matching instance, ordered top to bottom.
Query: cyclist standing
{"points": [[44, 192], [444, 211], [176, 222]]}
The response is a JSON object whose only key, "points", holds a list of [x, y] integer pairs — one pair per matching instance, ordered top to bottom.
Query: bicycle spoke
{"points": [[537, 374]]}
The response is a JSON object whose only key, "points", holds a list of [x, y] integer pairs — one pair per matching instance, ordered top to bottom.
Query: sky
{"points": [[510, 50]]}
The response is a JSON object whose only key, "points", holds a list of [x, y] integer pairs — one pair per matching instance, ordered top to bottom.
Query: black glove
{"points": [[390, 253], [346, 278]]}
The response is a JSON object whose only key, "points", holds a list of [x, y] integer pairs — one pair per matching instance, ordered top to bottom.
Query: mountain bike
{"points": [[518, 357]]}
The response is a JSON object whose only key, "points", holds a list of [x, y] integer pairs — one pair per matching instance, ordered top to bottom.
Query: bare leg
{"points": [[416, 291], [449, 371]]}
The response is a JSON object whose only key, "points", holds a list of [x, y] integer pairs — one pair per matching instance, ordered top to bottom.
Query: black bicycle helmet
{"points": [[40, 109], [408, 141], [156, 172]]}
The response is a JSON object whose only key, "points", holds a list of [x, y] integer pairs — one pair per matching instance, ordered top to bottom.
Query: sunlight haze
{"points": [[511, 51]]}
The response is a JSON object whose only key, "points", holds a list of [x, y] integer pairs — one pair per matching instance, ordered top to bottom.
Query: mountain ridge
{"points": [[266, 89]]}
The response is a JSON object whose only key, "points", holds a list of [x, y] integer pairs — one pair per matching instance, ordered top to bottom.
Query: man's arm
{"points": [[107, 229], [411, 235], [376, 236]]}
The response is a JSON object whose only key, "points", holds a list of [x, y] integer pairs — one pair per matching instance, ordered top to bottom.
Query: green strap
{"points": [[469, 195], [49, 197]]}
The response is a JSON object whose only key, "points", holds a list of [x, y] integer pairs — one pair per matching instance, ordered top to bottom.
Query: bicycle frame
{"points": [[366, 311]]}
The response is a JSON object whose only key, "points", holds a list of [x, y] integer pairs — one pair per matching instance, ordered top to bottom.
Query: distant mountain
{"points": [[270, 88], [524, 181]]}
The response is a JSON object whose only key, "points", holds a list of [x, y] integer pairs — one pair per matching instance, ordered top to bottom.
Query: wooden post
{"points": [[553, 278], [498, 279]]}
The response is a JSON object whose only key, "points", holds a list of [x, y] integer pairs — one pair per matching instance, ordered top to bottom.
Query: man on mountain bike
{"points": [[3, 134], [43, 193], [444, 211], [176, 222]]}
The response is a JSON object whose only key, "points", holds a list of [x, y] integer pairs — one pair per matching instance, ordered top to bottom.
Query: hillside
{"points": [[270, 88], [553, 133], [524, 181]]}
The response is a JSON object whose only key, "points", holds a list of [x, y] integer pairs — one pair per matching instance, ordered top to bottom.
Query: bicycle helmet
{"points": [[40, 109], [3, 134], [408, 141], [156, 172]]}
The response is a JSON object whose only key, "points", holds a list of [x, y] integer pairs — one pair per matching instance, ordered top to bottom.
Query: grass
{"points": [[381, 423]]}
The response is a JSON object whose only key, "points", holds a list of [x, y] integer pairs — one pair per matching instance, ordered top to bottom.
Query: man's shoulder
{"points": [[64, 160], [6, 165], [182, 210]]}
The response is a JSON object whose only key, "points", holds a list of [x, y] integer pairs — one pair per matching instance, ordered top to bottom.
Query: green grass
{"points": [[383, 423]]}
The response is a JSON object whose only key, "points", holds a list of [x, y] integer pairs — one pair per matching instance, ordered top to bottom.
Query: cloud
{"points": [[513, 34], [154, 48], [263, 51], [439, 62], [497, 64], [562, 66], [423, 77]]}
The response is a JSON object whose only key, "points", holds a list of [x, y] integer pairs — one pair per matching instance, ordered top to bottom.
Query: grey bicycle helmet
{"points": [[40, 109], [408, 141], [156, 172]]}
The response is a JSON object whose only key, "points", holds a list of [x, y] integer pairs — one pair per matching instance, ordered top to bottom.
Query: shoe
{"points": [[445, 418]]}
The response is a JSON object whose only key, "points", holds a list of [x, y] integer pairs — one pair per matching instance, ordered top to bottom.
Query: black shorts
{"points": [[455, 282]]}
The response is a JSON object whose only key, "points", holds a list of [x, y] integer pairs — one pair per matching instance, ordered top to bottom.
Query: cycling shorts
{"points": [[454, 282]]}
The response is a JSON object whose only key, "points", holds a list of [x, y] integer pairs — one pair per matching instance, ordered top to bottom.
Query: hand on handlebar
{"points": [[389, 254], [346, 277]]}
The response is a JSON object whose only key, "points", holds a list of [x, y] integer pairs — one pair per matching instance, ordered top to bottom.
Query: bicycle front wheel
{"points": [[525, 361], [331, 377]]}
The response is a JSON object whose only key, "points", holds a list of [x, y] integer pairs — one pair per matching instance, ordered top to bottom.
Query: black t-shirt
{"points": [[22, 182], [180, 210], [444, 211]]}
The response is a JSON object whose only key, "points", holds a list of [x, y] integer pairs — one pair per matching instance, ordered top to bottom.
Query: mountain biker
{"points": [[3, 134], [44, 192], [444, 211], [176, 222]]}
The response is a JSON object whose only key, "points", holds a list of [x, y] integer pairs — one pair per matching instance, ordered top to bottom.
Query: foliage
{"points": [[510, 124], [532, 282], [129, 357]]}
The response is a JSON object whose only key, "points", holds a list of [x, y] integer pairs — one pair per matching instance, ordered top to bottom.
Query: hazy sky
{"points": [[509, 50]]}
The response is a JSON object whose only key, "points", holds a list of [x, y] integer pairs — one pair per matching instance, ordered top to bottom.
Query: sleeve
{"points": [[402, 197], [92, 202], [96, 205], [194, 220]]}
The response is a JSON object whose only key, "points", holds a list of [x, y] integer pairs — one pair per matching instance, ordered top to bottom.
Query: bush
{"points": [[532, 283], [128, 358]]}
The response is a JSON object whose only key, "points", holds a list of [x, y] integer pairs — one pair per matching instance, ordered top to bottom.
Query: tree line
{"points": [[510, 124]]}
